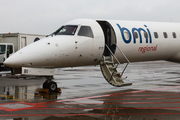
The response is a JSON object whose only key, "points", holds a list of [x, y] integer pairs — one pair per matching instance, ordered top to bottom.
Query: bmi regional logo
{"points": [[128, 36]]}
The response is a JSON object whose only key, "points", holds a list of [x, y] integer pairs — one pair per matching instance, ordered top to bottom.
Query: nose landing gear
{"points": [[49, 84]]}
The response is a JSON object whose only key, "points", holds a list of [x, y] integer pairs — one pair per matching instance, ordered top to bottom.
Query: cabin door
{"points": [[110, 37]]}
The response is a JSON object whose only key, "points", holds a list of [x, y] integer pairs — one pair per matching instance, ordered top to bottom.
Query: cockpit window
{"points": [[66, 30], [85, 31], [2, 49]]}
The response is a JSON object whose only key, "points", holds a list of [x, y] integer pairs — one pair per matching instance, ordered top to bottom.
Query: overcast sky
{"points": [[45, 16]]}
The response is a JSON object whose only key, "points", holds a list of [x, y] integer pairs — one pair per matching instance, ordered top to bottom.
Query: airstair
{"points": [[109, 69]]}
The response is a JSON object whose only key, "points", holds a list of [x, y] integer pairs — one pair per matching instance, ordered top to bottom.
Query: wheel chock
{"points": [[58, 89], [42, 90]]}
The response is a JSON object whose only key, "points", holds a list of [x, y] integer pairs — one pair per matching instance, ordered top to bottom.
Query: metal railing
{"points": [[117, 59]]}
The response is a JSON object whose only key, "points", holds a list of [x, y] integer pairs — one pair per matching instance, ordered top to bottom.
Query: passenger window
{"points": [[85, 31], [135, 34], [145, 34], [155, 34], [126, 35], [165, 35], [174, 35]]}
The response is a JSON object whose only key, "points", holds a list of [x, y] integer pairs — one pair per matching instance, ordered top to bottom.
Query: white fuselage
{"points": [[151, 41]]}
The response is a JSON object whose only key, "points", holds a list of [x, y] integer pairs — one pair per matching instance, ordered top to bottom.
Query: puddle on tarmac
{"points": [[85, 81], [25, 93], [86, 101]]}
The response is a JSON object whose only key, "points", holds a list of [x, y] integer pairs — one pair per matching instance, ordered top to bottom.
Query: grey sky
{"points": [[45, 16]]}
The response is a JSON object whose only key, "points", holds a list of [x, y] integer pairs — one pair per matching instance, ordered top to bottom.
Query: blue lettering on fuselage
{"points": [[128, 39]]}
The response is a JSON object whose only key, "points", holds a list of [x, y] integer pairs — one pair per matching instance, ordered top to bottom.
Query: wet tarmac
{"points": [[154, 95]]}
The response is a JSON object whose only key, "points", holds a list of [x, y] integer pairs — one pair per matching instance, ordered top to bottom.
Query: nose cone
{"points": [[14, 61]]}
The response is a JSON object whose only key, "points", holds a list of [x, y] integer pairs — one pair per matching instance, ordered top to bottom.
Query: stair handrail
{"points": [[112, 54], [123, 54], [125, 58], [117, 59]]}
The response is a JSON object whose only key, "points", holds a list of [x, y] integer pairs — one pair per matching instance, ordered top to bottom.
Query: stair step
{"points": [[108, 58], [109, 62], [112, 67], [116, 73], [120, 79], [125, 84]]}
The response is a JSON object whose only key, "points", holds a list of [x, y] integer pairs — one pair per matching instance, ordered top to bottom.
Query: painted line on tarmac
{"points": [[148, 91], [123, 93], [151, 95], [84, 98], [139, 99], [120, 103], [16, 106], [34, 106], [40, 106], [131, 108], [27, 115]]}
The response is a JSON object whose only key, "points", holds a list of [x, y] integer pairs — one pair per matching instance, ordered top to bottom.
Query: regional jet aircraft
{"points": [[107, 43]]}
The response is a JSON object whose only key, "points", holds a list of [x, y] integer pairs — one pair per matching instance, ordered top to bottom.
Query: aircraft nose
{"points": [[14, 61]]}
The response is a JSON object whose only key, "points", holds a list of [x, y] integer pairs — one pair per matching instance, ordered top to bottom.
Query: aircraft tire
{"points": [[45, 85], [52, 86]]}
